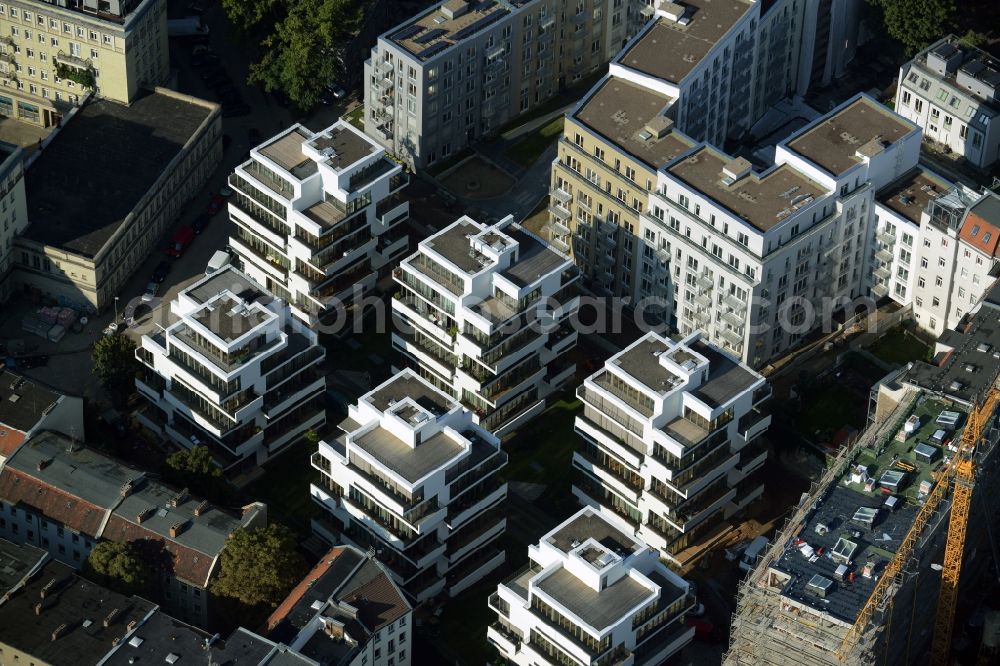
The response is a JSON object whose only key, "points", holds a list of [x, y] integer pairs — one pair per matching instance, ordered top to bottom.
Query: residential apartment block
{"points": [[53, 53], [463, 68], [950, 90], [13, 212], [95, 215], [318, 216], [936, 247], [483, 313], [233, 371], [670, 440], [413, 477], [62, 497], [591, 594], [347, 611]]}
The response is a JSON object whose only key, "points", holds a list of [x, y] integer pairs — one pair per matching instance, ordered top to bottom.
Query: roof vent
{"points": [[454, 8], [673, 10], [659, 126], [736, 169], [820, 585], [135, 641], [172, 658]]}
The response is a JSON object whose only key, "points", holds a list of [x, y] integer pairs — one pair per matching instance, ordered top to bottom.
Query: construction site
{"points": [[870, 565]]}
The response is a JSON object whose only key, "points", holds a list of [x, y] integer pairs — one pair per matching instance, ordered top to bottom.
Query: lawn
{"points": [[356, 117], [528, 149], [899, 347], [827, 410], [542, 452], [284, 487]]}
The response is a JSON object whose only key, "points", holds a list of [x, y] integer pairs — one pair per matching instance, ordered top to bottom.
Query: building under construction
{"points": [[855, 575]]}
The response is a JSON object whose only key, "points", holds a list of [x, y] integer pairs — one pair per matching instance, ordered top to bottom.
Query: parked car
{"points": [[336, 91], [215, 204], [200, 223], [180, 242], [161, 271], [152, 289]]}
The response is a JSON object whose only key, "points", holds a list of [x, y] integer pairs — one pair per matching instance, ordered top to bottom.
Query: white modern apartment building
{"points": [[463, 68], [950, 90], [13, 211], [318, 215], [936, 247], [760, 259], [483, 313], [233, 371], [670, 441], [413, 477], [592, 594]]}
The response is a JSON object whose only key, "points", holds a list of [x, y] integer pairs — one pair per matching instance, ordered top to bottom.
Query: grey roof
{"points": [[343, 146], [90, 177], [908, 196], [453, 244], [535, 258], [229, 278], [230, 318], [977, 343], [641, 361], [727, 378], [408, 384], [23, 402], [411, 463], [587, 525], [17, 562], [845, 600], [75, 601], [599, 610], [161, 636]]}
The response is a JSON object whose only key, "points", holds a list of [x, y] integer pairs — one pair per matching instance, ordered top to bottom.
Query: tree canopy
{"points": [[915, 23], [301, 40], [114, 364], [195, 469], [118, 566], [259, 566]]}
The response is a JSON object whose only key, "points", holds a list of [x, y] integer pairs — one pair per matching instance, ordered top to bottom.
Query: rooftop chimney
{"points": [[42, 464], [128, 487], [201, 508], [144, 515], [176, 529], [48, 586], [38, 609], [110, 618], [130, 626], [58, 631]]}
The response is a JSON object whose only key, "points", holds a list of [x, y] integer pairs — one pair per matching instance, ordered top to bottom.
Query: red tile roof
{"points": [[980, 234], [10, 440], [70, 510], [188, 564], [378, 601], [285, 607]]}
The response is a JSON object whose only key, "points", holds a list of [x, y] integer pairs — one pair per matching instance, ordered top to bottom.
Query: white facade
{"points": [[950, 90], [13, 212], [318, 216], [759, 260], [482, 313], [235, 372], [670, 440], [412, 476], [591, 594]]}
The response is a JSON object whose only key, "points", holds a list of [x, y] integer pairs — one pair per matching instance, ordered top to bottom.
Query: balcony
{"points": [[561, 195], [559, 211], [886, 238], [884, 256], [882, 273], [734, 302], [733, 319]]}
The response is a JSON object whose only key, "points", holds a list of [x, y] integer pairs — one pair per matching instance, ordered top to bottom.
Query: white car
{"points": [[151, 290]]}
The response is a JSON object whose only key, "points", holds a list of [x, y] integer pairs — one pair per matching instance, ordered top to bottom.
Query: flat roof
{"points": [[431, 32], [669, 50], [619, 111], [833, 142], [342, 146], [286, 152], [90, 177], [908, 197], [762, 201], [453, 244], [535, 257], [229, 278], [230, 318], [641, 362], [727, 378], [407, 384], [23, 402], [410, 462], [589, 525], [17, 562], [77, 608], [599, 609]]}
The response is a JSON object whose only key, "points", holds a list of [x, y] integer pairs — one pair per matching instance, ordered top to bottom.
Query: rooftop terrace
{"points": [[447, 24], [669, 50], [620, 111], [862, 128], [286, 152], [909, 196], [763, 201], [230, 318], [408, 385], [410, 462], [585, 526], [599, 609]]}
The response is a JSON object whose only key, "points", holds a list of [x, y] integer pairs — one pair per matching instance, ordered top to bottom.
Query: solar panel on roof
{"points": [[476, 26], [408, 31], [429, 35], [433, 49]]}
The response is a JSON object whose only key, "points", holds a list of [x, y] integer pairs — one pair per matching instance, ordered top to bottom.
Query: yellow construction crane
{"points": [[963, 470]]}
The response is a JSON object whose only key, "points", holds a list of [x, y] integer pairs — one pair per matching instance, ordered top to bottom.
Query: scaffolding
{"points": [[768, 628]]}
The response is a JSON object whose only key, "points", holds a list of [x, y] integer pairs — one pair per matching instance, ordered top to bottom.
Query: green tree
{"points": [[915, 23], [975, 39], [302, 42], [115, 365], [118, 566], [260, 566]]}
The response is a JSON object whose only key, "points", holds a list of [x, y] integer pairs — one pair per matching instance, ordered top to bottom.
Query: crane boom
{"points": [[963, 469]]}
